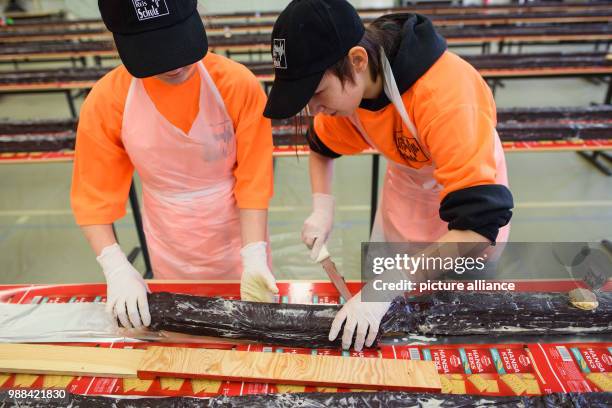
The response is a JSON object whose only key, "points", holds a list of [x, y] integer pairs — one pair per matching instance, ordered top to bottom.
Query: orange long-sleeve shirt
{"points": [[454, 113], [102, 168]]}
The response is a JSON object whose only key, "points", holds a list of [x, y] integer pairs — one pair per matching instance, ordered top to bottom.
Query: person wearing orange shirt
{"points": [[394, 87], [190, 124]]}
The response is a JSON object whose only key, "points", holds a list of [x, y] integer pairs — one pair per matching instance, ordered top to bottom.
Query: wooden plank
{"points": [[69, 360], [296, 369]]}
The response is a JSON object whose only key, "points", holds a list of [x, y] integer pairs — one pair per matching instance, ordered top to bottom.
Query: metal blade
{"points": [[330, 267]]}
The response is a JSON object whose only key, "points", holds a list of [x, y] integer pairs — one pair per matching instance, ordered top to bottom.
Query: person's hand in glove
{"points": [[318, 226], [257, 283], [126, 290], [365, 317]]}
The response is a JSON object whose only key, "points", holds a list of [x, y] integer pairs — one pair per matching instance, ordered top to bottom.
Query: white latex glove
{"points": [[318, 226], [257, 283], [126, 290], [363, 316]]}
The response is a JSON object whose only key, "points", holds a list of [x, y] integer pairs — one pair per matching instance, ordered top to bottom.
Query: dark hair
{"points": [[382, 32]]}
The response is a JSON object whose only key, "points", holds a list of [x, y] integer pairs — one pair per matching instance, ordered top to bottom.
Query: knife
{"points": [[330, 267]]}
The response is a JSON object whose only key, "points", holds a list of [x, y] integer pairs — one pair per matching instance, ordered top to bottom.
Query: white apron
{"points": [[409, 207], [190, 216]]}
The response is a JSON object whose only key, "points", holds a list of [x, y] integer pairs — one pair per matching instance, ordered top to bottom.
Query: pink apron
{"points": [[408, 209], [190, 216]]}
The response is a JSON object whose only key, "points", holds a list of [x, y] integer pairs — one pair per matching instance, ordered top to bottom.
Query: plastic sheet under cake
{"points": [[46, 322]]}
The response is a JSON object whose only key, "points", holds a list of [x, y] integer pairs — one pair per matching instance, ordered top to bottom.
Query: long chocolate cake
{"points": [[443, 313], [458, 313], [282, 324]]}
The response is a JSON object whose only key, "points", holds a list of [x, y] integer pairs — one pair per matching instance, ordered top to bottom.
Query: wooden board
{"points": [[67, 360], [298, 369]]}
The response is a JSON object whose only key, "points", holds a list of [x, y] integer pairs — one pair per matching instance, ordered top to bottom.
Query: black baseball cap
{"points": [[155, 36], [309, 37]]}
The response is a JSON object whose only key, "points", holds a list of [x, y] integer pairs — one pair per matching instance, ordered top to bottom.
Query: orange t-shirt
{"points": [[453, 110], [103, 171]]}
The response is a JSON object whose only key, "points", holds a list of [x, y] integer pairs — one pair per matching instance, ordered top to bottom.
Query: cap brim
{"points": [[155, 52], [288, 97]]}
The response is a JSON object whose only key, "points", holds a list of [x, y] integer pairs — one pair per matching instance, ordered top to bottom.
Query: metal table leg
{"points": [[70, 99], [593, 159], [374, 191], [140, 231], [607, 244]]}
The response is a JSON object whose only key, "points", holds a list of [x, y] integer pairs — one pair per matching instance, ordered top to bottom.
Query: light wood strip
{"points": [[69, 360], [281, 368]]}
